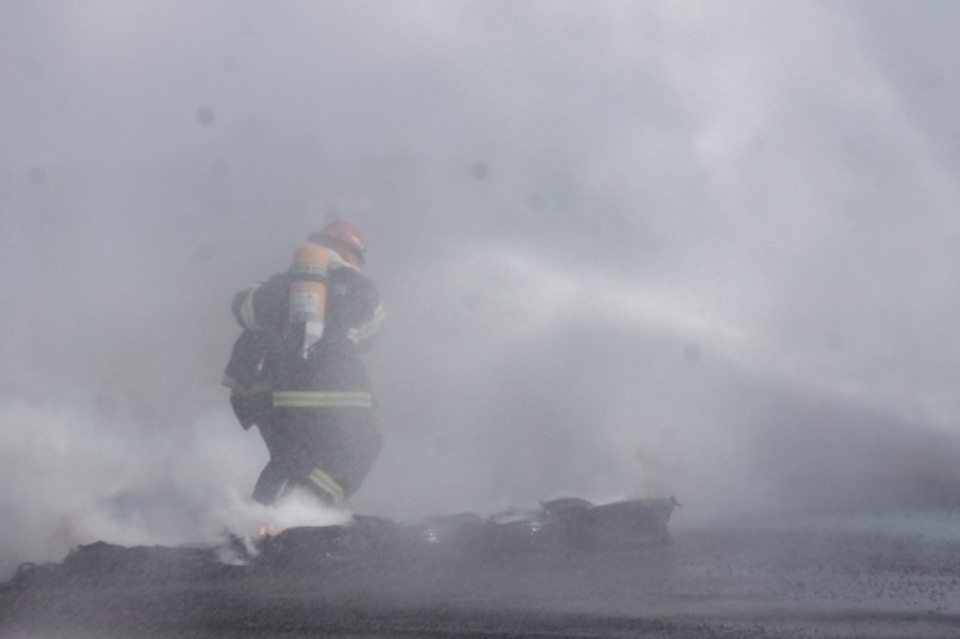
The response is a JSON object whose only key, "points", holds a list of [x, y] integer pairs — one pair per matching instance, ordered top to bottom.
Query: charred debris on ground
{"points": [[558, 527]]}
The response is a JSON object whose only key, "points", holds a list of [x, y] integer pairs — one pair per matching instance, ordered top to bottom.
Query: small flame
{"points": [[268, 530]]}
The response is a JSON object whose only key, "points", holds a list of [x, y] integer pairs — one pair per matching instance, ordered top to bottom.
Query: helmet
{"points": [[341, 235]]}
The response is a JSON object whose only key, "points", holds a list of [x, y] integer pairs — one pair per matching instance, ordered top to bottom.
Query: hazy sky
{"points": [[722, 236]]}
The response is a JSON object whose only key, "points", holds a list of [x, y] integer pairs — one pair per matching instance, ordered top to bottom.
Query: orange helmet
{"points": [[341, 235]]}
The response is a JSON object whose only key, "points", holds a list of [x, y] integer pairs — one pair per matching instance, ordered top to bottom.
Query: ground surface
{"points": [[840, 579]]}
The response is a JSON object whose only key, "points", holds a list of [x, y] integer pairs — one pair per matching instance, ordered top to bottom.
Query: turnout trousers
{"points": [[327, 451]]}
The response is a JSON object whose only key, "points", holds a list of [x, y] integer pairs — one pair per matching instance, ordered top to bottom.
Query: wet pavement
{"points": [[893, 577]]}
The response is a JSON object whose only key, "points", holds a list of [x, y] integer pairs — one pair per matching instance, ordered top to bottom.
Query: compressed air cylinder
{"points": [[308, 294]]}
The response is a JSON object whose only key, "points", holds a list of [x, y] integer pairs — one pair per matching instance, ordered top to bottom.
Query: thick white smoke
{"points": [[624, 248], [78, 476]]}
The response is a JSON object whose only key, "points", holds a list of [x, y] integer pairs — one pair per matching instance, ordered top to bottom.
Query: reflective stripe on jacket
{"points": [[322, 399]]}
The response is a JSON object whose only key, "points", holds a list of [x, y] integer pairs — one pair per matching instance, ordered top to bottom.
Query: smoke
{"points": [[624, 249], [77, 475]]}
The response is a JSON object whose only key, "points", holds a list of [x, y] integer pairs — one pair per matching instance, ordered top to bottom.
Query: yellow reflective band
{"points": [[247, 313], [368, 330], [322, 399], [326, 484]]}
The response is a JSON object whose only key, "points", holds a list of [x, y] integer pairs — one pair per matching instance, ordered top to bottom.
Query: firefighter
{"points": [[295, 371]]}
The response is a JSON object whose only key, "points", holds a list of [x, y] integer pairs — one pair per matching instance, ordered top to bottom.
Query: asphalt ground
{"points": [[895, 576]]}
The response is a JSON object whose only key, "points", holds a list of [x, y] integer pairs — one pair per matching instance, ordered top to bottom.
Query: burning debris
{"points": [[559, 526]]}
